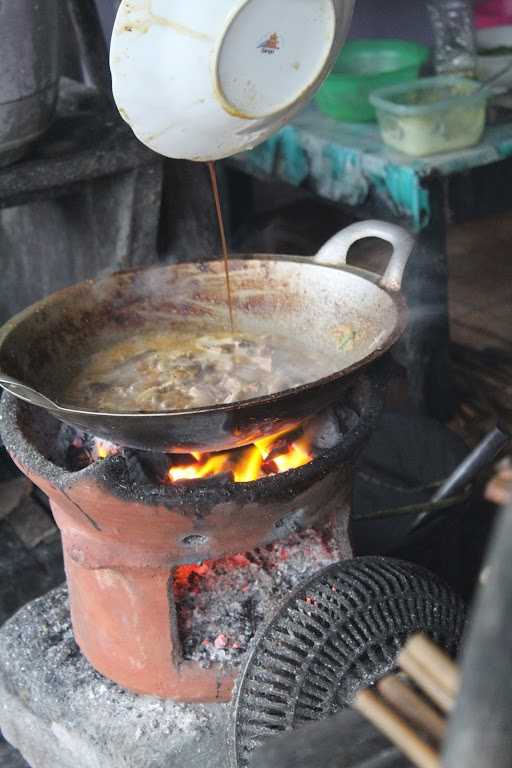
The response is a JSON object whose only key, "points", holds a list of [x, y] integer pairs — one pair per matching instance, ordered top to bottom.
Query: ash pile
{"points": [[221, 604]]}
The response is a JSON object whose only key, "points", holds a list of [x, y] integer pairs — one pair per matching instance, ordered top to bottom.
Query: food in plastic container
{"points": [[433, 115]]}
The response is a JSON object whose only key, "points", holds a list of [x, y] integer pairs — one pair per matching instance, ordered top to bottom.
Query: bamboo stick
{"points": [[441, 664], [432, 670], [429, 685], [412, 706], [391, 725]]}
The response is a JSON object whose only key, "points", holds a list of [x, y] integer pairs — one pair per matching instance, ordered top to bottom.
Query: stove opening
{"points": [[267, 457]]}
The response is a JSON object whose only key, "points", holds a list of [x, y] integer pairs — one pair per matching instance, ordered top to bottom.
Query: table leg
{"points": [[425, 348]]}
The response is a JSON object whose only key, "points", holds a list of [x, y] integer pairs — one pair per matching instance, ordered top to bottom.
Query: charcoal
{"points": [[348, 418], [324, 431], [66, 437], [74, 449], [79, 450], [78, 458], [154, 465], [135, 467], [208, 482], [221, 604]]}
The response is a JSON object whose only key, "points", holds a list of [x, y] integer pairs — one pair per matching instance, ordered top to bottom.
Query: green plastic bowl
{"points": [[363, 67]]}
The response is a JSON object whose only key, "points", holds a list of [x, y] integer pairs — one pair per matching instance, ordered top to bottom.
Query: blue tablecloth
{"points": [[345, 162]]}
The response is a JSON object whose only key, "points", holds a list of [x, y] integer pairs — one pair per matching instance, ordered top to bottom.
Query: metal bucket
{"points": [[29, 75]]}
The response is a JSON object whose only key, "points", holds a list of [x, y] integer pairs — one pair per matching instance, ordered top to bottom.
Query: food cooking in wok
{"points": [[159, 371]]}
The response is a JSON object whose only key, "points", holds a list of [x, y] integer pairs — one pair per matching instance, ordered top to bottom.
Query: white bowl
{"points": [[492, 38], [206, 79]]}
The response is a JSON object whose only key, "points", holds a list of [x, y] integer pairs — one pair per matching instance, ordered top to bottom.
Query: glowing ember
{"points": [[104, 449], [266, 457], [185, 573], [220, 604]]}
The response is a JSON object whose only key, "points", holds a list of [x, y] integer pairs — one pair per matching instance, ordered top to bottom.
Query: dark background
{"points": [[372, 18]]}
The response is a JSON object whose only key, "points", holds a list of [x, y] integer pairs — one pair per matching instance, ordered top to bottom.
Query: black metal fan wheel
{"points": [[341, 631]]}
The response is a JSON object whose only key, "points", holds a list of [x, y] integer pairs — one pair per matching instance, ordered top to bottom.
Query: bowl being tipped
{"points": [[203, 80]]}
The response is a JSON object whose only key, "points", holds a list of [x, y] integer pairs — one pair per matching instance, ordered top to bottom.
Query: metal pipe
{"points": [[480, 458], [477, 460], [455, 490]]}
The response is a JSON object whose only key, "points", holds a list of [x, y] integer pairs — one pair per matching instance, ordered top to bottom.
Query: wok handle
{"points": [[335, 250]]}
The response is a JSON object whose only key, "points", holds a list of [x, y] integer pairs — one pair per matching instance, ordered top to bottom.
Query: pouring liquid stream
{"points": [[220, 218], [158, 371]]}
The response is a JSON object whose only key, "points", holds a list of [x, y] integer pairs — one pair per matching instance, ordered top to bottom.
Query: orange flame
{"points": [[265, 444], [297, 456], [251, 464], [212, 466], [249, 467]]}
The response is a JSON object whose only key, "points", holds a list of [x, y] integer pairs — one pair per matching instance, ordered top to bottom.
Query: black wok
{"points": [[45, 346]]}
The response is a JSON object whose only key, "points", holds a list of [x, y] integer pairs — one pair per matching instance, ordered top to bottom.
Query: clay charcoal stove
{"points": [[173, 562]]}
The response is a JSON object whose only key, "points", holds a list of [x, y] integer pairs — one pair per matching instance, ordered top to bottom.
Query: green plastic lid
{"points": [[363, 67]]}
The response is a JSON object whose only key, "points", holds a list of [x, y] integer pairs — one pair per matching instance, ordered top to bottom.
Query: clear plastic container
{"points": [[455, 48], [433, 115]]}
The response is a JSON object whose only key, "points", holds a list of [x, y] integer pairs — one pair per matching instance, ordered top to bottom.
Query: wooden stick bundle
{"points": [[413, 723]]}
